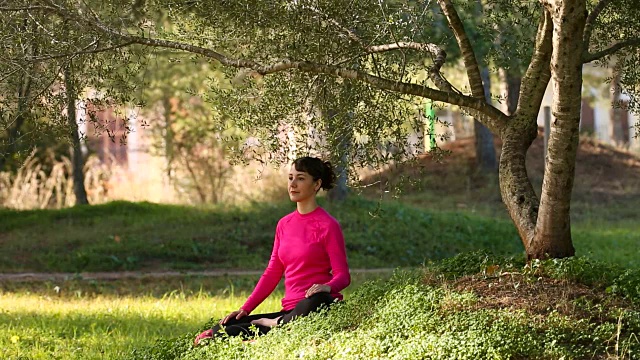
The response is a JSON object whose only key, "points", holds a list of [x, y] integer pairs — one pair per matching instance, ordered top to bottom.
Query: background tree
{"points": [[285, 44], [76, 152]]}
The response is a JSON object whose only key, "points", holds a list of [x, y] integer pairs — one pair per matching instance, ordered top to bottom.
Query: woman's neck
{"points": [[305, 207]]}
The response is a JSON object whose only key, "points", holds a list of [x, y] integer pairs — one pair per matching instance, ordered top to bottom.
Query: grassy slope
{"points": [[129, 236], [143, 236], [551, 310]]}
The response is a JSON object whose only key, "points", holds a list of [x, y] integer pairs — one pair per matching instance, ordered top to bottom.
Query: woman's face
{"points": [[301, 185]]}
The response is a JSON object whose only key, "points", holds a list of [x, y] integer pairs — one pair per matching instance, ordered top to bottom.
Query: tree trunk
{"points": [[510, 87], [23, 93], [615, 115], [13, 132], [168, 136], [340, 136], [485, 149], [77, 160], [516, 188], [341, 190], [553, 228]]}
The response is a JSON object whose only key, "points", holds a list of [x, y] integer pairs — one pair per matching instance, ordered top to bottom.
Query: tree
{"points": [[282, 44], [23, 85], [76, 153]]}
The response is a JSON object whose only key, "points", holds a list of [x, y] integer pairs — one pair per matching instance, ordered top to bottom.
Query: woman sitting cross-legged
{"points": [[308, 250]]}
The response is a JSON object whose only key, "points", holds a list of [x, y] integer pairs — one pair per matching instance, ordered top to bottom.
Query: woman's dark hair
{"points": [[318, 169]]}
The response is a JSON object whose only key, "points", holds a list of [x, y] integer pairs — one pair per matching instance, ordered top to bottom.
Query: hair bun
{"points": [[318, 169], [329, 178]]}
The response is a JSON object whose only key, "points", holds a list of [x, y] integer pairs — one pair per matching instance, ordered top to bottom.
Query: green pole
{"points": [[430, 136]]}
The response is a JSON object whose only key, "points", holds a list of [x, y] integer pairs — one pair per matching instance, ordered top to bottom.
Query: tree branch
{"points": [[25, 8], [591, 20], [350, 34], [430, 48], [81, 52], [468, 55], [587, 57], [434, 71], [536, 79], [493, 118]]}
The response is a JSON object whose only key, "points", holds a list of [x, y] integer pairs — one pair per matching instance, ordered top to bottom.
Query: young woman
{"points": [[308, 250]]}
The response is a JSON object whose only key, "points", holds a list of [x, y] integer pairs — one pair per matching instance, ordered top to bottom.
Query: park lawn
{"points": [[379, 234], [142, 236], [472, 306], [461, 308], [80, 319], [33, 326]]}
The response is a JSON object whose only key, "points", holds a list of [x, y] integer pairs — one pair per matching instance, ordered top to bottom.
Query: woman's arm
{"points": [[337, 252], [269, 279]]}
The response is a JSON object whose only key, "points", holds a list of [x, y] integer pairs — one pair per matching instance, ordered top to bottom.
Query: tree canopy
{"points": [[389, 54]]}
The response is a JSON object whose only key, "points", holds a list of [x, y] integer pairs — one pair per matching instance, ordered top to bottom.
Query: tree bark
{"points": [[510, 87], [13, 132], [77, 159], [516, 188], [341, 190], [553, 228]]}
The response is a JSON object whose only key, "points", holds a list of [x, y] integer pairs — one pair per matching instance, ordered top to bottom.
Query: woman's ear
{"points": [[318, 185]]}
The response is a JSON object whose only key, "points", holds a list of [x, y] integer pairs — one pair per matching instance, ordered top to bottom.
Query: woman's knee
{"points": [[316, 300], [308, 305]]}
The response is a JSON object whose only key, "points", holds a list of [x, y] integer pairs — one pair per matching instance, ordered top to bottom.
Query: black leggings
{"points": [[240, 327]]}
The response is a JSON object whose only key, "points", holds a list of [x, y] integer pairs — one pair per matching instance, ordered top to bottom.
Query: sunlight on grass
{"points": [[613, 244], [47, 327]]}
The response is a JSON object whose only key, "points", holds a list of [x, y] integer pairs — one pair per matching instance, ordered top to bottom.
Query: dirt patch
{"points": [[540, 296]]}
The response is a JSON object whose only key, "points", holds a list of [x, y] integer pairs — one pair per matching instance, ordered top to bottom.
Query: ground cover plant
{"points": [[473, 306]]}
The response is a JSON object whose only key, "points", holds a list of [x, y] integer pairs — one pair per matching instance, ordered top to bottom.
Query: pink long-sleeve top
{"points": [[308, 249]]}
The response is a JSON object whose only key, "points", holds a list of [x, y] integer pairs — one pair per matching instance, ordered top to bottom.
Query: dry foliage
{"points": [[42, 185]]}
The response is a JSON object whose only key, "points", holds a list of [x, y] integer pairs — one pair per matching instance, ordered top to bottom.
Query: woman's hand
{"points": [[317, 288], [238, 314], [266, 322]]}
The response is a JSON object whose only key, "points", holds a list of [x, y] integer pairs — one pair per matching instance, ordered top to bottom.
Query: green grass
{"points": [[132, 236], [143, 236], [452, 311], [422, 313], [77, 319], [36, 327]]}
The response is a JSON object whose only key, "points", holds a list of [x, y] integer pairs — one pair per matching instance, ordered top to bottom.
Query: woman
{"points": [[308, 250]]}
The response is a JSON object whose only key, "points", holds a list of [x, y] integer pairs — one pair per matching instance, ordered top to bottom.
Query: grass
{"points": [[144, 236], [470, 306], [458, 307], [449, 310], [77, 319], [37, 327]]}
